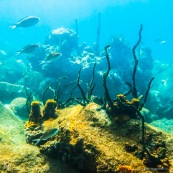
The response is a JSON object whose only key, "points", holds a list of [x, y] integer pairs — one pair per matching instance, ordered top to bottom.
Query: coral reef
{"points": [[64, 38], [11, 70], [31, 80], [10, 91], [88, 137], [87, 141], [90, 141]]}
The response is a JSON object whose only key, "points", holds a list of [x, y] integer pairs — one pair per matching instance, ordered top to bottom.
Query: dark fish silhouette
{"points": [[26, 22], [28, 49], [46, 135]]}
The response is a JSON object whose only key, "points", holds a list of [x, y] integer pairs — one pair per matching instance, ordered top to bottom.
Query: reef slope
{"points": [[87, 141], [90, 141]]}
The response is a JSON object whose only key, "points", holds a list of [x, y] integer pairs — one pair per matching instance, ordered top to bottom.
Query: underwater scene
{"points": [[85, 86]]}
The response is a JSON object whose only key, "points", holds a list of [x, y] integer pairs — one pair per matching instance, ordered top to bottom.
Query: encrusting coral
{"points": [[124, 109], [49, 110], [35, 117]]}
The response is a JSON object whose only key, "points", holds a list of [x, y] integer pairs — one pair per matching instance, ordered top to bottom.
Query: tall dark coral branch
{"points": [[137, 44], [80, 88], [130, 88], [58, 90], [134, 91], [106, 92], [146, 94], [28, 100]]}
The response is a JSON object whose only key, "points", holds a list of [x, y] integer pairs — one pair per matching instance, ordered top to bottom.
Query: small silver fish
{"points": [[26, 22], [28, 49], [51, 57], [46, 135]]}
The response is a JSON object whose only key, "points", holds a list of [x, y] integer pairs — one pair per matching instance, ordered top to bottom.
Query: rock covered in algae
{"points": [[18, 106], [11, 127], [90, 141], [18, 157], [27, 159]]}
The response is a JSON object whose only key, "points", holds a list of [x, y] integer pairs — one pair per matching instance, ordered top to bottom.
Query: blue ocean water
{"points": [[117, 17]]}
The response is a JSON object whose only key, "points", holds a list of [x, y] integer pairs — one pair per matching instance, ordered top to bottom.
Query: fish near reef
{"points": [[26, 22], [28, 49], [51, 57], [46, 135]]}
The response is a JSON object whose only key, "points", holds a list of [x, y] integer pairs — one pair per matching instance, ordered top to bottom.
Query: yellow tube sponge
{"points": [[50, 110], [35, 116]]}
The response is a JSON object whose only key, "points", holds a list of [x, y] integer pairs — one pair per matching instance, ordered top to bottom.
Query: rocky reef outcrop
{"points": [[18, 106], [91, 141], [20, 157]]}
